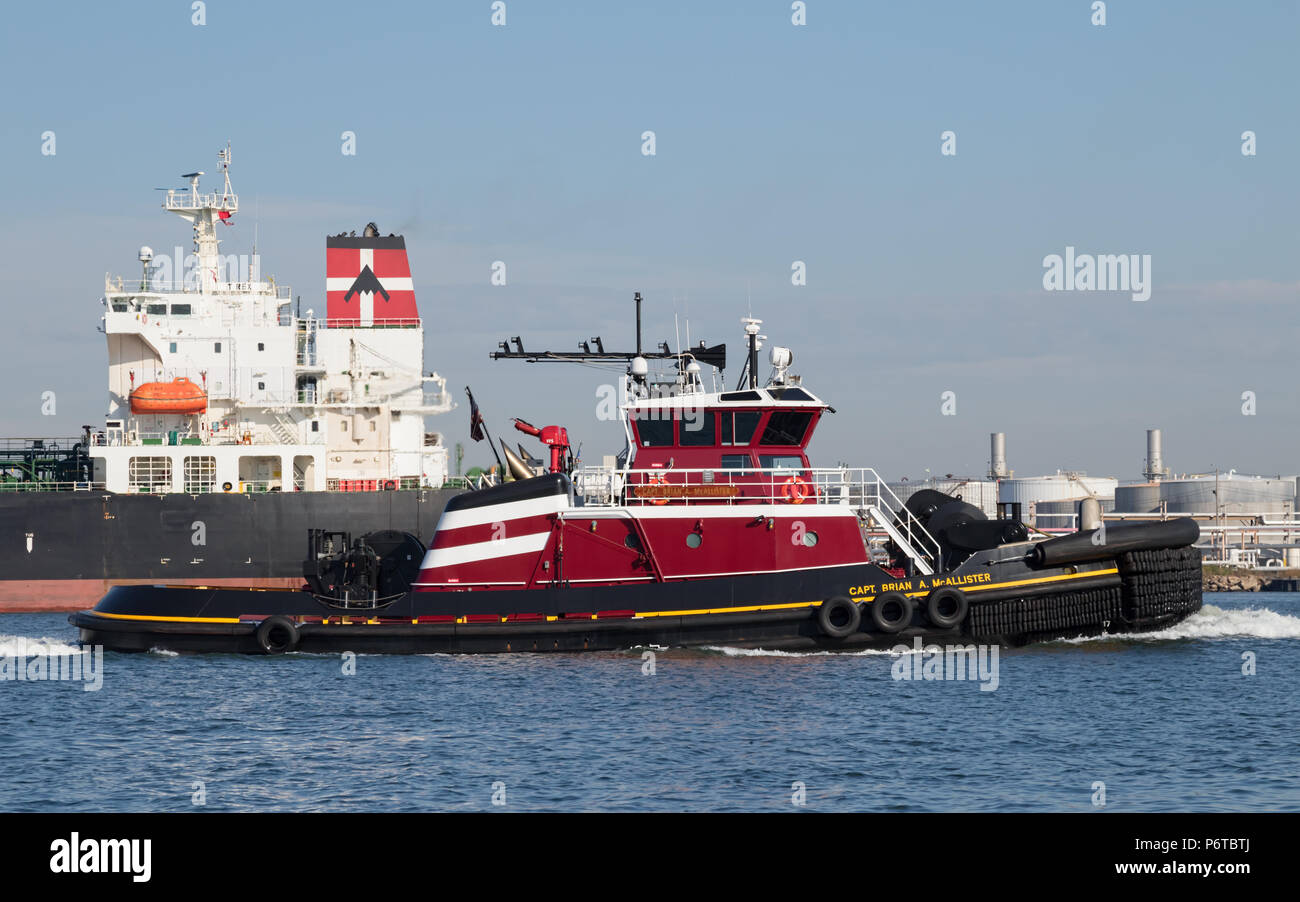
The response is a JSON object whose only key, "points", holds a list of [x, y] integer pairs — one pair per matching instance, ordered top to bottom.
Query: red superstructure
{"points": [[711, 484]]}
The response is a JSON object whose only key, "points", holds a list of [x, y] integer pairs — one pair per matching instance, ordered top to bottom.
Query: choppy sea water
{"points": [[1167, 721]]}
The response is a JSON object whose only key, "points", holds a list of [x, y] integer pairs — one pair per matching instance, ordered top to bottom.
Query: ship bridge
{"points": [[219, 380]]}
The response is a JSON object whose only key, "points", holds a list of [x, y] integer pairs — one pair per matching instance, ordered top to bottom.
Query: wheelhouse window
{"points": [[156, 309], [182, 309], [790, 394], [738, 426], [786, 427], [697, 428], [654, 430], [781, 462], [738, 464]]}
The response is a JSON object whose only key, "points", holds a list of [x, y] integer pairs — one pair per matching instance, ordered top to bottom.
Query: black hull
{"points": [[84, 541], [1133, 592]]}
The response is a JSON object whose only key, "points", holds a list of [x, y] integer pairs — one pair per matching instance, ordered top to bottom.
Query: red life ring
{"points": [[658, 480], [795, 490]]}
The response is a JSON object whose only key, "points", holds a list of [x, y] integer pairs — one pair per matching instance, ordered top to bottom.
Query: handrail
{"points": [[38, 486], [861, 488]]}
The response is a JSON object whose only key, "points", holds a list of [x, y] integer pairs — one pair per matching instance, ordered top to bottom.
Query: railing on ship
{"points": [[118, 285], [378, 322], [231, 436], [39, 486], [860, 488]]}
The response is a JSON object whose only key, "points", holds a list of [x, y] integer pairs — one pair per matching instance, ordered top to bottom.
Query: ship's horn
{"points": [[518, 469]]}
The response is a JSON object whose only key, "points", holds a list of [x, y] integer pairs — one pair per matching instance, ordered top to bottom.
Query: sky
{"points": [[774, 143]]}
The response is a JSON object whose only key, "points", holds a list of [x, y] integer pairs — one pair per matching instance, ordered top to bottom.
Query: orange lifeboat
{"points": [[178, 396]]}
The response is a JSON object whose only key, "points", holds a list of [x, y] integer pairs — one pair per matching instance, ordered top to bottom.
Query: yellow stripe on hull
{"points": [[682, 613]]}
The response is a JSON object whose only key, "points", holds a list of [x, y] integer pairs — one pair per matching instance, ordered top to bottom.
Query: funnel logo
{"points": [[368, 283]]}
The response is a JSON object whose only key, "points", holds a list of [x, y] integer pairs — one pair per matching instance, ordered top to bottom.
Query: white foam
{"points": [[1212, 622], [11, 646], [732, 652]]}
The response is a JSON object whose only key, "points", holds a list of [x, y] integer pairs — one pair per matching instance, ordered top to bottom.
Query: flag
{"points": [[225, 215], [475, 418]]}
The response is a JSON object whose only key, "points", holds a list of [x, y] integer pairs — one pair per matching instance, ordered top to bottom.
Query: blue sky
{"points": [[775, 143]]}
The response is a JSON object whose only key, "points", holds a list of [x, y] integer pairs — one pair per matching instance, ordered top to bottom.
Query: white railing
{"points": [[185, 199], [114, 285], [379, 321], [257, 435], [39, 486], [860, 488]]}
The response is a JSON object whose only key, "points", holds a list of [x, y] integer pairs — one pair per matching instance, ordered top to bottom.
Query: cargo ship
{"points": [[236, 421], [710, 527]]}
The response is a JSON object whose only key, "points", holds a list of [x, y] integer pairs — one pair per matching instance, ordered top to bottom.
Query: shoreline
{"points": [[1230, 579]]}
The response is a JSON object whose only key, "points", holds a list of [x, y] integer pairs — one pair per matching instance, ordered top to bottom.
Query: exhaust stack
{"points": [[368, 281], [998, 455], [1155, 459]]}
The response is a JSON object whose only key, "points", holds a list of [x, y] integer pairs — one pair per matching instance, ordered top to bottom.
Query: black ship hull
{"points": [[63, 550], [1005, 601]]}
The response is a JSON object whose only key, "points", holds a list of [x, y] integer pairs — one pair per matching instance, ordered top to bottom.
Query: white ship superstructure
{"points": [[222, 384]]}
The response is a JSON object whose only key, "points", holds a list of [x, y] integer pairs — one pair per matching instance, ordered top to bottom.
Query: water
{"points": [[1167, 721]]}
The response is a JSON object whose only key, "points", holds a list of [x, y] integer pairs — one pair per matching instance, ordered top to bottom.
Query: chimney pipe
{"points": [[998, 455], [1155, 459]]}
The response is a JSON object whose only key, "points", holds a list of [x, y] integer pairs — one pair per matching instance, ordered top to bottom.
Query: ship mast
{"points": [[203, 212]]}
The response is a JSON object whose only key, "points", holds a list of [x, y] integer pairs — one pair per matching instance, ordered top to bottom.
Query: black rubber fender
{"points": [[946, 607], [836, 609], [892, 611], [277, 635]]}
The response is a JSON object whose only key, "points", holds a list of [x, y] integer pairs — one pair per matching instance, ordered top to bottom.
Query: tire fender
{"points": [[946, 607], [835, 609], [892, 611], [277, 635]]}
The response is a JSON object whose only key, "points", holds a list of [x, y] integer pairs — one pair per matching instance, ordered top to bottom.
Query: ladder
{"points": [[285, 429], [912, 542]]}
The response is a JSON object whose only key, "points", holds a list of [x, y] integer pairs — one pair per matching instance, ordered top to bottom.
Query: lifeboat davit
{"points": [[178, 396]]}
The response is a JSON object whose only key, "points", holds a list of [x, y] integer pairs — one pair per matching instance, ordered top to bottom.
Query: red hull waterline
{"points": [[32, 596]]}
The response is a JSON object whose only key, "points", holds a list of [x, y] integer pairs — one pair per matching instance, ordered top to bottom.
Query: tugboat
{"points": [[712, 527]]}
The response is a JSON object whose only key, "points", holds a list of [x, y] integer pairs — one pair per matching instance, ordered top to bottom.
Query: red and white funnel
{"points": [[368, 282]]}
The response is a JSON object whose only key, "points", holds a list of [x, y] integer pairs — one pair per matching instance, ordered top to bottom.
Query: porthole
{"points": [[809, 538], [694, 540], [631, 541]]}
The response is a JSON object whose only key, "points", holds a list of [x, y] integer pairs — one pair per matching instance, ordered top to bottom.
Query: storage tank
{"points": [[1064, 485], [979, 492], [1237, 494], [1138, 498], [1063, 514]]}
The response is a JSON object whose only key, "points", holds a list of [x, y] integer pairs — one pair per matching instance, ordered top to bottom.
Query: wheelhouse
{"points": [[748, 444]]}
